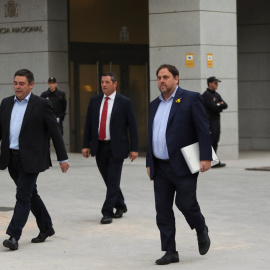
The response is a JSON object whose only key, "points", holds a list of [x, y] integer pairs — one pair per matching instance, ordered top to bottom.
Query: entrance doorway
{"points": [[131, 68]]}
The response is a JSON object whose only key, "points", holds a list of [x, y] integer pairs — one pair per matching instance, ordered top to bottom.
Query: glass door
{"points": [[85, 83]]}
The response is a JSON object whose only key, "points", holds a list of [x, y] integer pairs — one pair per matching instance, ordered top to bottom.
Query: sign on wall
{"points": [[12, 10], [20, 29], [189, 60], [209, 60]]}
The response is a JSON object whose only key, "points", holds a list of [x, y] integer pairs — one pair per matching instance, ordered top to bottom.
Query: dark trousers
{"points": [[214, 126], [110, 169], [166, 185], [27, 199]]}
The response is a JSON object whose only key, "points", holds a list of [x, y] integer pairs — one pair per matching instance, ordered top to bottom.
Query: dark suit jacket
{"points": [[39, 120], [187, 124], [123, 127]]}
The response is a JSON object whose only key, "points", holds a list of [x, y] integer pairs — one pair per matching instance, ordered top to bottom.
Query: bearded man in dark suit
{"points": [[177, 118]]}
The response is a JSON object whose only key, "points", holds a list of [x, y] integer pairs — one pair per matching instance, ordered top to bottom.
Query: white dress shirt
{"points": [[109, 112], [16, 120], [160, 149]]}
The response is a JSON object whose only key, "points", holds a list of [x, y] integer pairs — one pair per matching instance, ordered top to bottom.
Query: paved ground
{"points": [[234, 201]]}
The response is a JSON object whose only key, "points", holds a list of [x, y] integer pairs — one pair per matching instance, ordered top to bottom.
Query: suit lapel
{"points": [[99, 101], [176, 103], [116, 104], [10, 107], [28, 110], [97, 111], [153, 111], [8, 112]]}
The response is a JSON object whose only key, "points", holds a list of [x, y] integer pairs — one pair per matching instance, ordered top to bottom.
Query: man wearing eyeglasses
{"points": [[214, 105]]}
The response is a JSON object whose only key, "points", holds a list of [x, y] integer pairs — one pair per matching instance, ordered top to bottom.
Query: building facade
{"points": [[76, 41]]}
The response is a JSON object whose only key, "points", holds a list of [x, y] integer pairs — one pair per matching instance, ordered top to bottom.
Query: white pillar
{"points": [[180, 27], [34, 35]]}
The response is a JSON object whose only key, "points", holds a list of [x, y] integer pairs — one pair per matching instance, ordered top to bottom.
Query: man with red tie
{"points": [[111, 135]]}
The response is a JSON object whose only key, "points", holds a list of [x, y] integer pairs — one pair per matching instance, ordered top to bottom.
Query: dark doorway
{"points": [[87, 62]]}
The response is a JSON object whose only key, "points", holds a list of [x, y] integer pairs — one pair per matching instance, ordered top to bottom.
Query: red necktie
{"points": [[102, 128]]}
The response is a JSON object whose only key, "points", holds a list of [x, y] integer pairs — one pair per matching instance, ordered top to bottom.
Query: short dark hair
{"points": [[172, 69], [25, 73], [111, 74]]}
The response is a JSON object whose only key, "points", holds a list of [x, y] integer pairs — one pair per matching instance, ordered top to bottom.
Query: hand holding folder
{"points": [[191, 154]]}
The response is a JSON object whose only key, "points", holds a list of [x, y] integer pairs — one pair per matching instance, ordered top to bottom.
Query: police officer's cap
{"points": [[52, 79], [213, 79]]}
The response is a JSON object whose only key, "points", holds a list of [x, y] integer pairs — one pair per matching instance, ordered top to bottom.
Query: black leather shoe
{"points": [[219, 165], [119, 213], [106, 220], [42, 236], [203, 241], [11, 243], [169, 257]]}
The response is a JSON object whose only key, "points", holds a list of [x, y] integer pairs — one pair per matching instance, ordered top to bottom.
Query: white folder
{"points": [[191, 154]]}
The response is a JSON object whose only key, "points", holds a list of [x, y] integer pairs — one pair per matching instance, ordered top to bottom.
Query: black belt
{"points": [[104, 141], [15, 151], [162, 160]]}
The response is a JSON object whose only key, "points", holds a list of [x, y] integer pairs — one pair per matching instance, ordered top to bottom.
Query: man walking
{"points": [[214, 105], [176, 119], [26, 121], [111, 135]]}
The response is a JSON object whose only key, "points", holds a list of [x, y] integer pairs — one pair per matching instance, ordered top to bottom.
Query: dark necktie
{"points": [[102, 128]]}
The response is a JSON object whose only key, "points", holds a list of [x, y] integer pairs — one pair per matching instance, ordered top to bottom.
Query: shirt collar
{"points": [[112, 96], [172, 96], [26, 99]]}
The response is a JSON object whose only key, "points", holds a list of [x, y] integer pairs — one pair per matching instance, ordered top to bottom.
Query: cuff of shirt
{"points": [[63, 161]]}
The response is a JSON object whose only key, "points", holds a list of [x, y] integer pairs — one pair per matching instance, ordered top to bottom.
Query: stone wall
{"points": [[179, 27], [34, 35]]}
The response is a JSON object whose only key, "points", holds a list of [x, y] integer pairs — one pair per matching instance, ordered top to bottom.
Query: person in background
{"points": [[58, 99], [214, 105]]}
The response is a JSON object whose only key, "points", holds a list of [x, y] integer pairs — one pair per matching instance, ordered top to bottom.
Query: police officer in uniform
{"points": [[58, 100], [214, 105]]}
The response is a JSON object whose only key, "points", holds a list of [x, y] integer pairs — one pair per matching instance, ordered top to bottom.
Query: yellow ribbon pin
{"points": [[178, 100]]}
